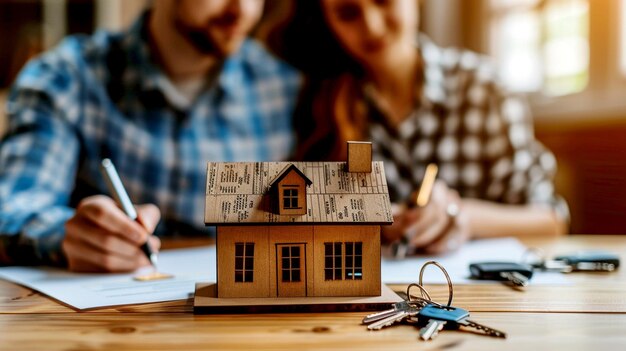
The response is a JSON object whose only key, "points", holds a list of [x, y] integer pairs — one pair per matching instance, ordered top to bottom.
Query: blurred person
{"points": [[372, 76], [183, 86]]}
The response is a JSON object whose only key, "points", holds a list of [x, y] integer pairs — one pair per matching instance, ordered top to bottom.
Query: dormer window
{"points": [[289, 191], [290, 198]]}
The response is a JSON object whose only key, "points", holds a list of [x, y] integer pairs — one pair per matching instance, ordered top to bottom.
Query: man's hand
{"points": [[435, 228], [102, 238]]}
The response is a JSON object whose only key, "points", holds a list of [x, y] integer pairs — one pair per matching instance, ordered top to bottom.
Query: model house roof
{"points": [[286, 171], [238, 193]]}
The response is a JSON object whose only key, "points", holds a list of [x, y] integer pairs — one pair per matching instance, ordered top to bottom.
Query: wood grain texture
{"points": [[359, 157], [286, 235], [226, 239], [286, 256], [370, 284], [589, 292], [589, 298], [205, 302], [532, 319], [157, 331]]}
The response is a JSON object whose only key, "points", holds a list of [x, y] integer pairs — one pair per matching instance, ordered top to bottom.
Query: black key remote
{"points": [[517, 273]]}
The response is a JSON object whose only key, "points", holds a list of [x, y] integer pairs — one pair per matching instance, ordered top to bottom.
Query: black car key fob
{"points": [[590, 261], [517, 273]]}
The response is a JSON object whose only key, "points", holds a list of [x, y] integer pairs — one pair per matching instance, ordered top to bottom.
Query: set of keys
{"points": [[584, 261], [519, 274], [431, 317]]}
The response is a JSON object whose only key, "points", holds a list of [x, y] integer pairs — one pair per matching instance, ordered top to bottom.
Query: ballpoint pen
{"points": [[121, 197], [418, 199]]}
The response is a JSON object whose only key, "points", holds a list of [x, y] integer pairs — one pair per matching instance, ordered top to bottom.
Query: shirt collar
{"points": [[147, 76]]}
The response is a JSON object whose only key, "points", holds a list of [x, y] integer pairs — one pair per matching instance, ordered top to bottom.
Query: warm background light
{"points": [[569, 56]]}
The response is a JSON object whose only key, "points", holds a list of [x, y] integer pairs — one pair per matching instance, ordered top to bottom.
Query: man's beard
{"points": [[200, 39]]}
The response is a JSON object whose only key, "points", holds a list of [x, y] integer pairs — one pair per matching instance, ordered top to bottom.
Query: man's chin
{"points": [[215, 46], [229, 48], [223, 51]]}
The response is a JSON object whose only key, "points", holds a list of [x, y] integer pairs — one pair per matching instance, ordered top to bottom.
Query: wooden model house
{"points": [[296, 229]]}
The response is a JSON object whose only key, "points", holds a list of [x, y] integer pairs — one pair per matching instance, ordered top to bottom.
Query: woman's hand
{"points": [[438, 227]]}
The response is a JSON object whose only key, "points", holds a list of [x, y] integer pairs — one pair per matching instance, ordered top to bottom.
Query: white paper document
{"points": [[457, 263], [84, 291]]}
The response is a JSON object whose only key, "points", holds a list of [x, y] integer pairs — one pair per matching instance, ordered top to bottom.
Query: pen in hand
{"points": [[121, 197], [422, 197], [418, 199]]}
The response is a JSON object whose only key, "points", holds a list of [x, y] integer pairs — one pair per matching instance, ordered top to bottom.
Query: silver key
{"points": [[563, 267], [593, 267], [516, 278], [397, 307], [395, 318], [385, 322], [481, 327], [432, 329]]}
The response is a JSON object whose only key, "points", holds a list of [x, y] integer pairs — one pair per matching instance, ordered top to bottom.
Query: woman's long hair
{"points": [[305, 41], [330, 110]]}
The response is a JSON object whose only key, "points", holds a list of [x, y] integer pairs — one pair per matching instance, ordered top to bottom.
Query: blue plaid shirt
{"points": [[103, 96]]}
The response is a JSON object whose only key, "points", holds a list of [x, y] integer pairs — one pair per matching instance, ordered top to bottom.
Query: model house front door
{"points": [[291, 269]]}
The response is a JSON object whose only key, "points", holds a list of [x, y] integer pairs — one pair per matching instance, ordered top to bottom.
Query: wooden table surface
{"points": [[590, 314]]}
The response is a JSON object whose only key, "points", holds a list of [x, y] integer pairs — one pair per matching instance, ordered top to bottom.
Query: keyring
{"points": [[450, 289], [422, 291], [427, 300]]}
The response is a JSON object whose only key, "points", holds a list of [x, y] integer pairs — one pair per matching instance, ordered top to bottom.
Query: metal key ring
{"points": [[450, 289], [422, 291], [427, 300]]}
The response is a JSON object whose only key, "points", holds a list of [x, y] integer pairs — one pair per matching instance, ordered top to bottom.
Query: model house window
{"points": [[290, 198], [354, 260], [332, 261], [244, 262], [291, 263]]}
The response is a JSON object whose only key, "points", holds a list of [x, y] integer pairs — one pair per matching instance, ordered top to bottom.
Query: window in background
{"points": [[622, 23], [542, 45]]}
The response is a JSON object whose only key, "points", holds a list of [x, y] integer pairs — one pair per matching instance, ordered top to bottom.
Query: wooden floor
{"points": [[588, 315]]}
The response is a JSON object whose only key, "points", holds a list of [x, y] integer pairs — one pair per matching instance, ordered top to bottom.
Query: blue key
{"points": [[443, 313], [439, 316]]}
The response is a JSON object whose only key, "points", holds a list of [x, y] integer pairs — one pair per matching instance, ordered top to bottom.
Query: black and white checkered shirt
{"points": [[481, 137]]}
